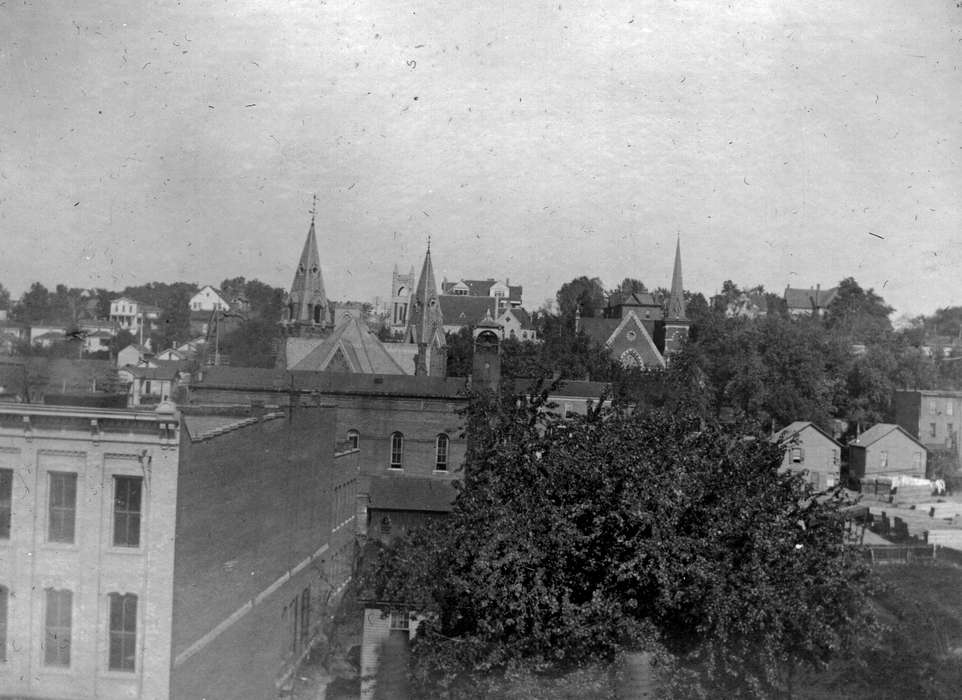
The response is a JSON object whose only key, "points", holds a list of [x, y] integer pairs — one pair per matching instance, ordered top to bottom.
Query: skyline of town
{"points": [[787, 145]]}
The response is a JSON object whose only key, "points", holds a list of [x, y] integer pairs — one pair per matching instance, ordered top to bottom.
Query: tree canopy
{"points": [[574, 539]]}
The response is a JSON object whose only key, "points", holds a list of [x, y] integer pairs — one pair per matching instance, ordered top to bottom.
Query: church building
{"points": [[636, 328]]}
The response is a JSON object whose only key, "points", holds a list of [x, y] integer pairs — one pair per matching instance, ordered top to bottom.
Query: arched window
{"points": [[630, 358], [353, 439], [397, 451], [441, 462]]}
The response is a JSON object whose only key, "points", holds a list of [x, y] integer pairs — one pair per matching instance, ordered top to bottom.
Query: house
{"points": [[504, 293], [208, 299], [809, 302], [461, 311], [132, 315], [516, 323], [49, 339], [97, 341], [134, 354], [149, 384], [886, 449], [812, 451], [171, 555]]}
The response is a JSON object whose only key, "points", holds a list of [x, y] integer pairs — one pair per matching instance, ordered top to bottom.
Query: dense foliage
{"points": [[574, 539]]}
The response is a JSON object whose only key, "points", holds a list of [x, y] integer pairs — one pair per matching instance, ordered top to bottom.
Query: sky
{"points": [[784, 143]]}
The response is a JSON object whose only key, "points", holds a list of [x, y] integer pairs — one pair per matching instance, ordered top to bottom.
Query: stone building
{"points": [[153, 554]]}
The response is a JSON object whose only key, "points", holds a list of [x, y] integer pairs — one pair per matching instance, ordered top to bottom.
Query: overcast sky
{"points": [[536, 141]]}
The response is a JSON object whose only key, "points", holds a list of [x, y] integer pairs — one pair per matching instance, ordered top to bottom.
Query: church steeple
{"points": [[676, 302], [306, 303], [676, 321], [425, 323]]}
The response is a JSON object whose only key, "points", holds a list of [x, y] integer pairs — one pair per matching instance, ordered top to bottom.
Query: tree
{"points": [[584, 294], [4, 298], [34, 305], [861, 313], [251, 343], [574, 539]]}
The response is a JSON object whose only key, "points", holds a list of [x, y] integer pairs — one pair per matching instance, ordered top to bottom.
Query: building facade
{"points": [[811, 450]]}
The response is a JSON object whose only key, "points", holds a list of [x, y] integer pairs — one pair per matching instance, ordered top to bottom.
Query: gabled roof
{"points": [[809, 298], [466, 310], [523, 317], [359, 347], [793, 429], [880, 430], [412, 493]]}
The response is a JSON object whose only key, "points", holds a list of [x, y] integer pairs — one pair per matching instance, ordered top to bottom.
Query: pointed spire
{"points": [[307, 299], [676, 302], [425, 315]]}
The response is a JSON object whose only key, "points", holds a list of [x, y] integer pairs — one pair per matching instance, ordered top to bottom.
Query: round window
{"points": [[631, 335]]}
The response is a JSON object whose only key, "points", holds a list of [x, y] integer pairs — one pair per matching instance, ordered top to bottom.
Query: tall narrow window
{"points": [[353, 439], [397, 451], [441, 461], [6, 499], [63, 507], [127, 508], [4, 595], [305, 616], [57, 628], [123, 632]]}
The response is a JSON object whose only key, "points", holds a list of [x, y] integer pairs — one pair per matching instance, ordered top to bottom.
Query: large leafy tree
{"points": [[584, 294], [860, 313], [574, 539]]}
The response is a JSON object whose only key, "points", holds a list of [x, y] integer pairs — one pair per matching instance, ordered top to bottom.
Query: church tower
{"points": [[402, 287], [306, 311], [676, 322], [425, 327], [486, 364]]}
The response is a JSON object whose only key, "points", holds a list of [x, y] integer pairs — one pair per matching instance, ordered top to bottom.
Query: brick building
{"points": [[150, 554]]}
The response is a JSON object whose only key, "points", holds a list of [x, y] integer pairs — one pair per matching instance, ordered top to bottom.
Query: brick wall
{"points": [[254, 522]]}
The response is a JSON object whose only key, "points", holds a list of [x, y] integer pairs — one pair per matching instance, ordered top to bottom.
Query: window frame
{"points": [[354, 439], [442, 447], [397, 451], [6, 503], [63, 510], [129, 514], [61, 598], [4, 620], [126, 636]]}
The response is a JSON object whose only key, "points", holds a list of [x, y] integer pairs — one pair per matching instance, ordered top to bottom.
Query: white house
{"points": [[208, 299], [129, 314], [516, 323], [811, 450]]}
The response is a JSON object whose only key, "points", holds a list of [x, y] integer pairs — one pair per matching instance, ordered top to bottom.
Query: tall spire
{"points": [[307, 301], [676, 302], [425, 323]]}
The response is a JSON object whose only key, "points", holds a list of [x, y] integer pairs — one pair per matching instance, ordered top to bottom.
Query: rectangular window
{"points": [[932, 406], [949, 408], [931, 429], [949, 429], [797, 455], [441, 457], [883, 459], [917, 460], [6, 502], [63, 507], [127, 510], [4, 595], [292, 609], [305, 616], [400, 620], [57, 626], [123, 632]]}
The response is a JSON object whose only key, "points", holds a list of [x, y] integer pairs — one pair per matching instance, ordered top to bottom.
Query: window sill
{"points": [[395, 469], [123, 551]]}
